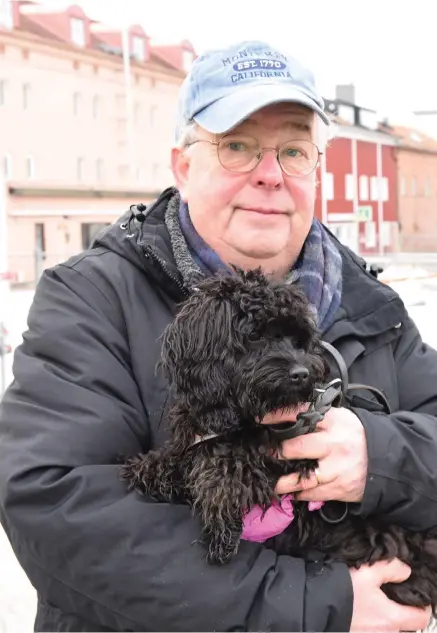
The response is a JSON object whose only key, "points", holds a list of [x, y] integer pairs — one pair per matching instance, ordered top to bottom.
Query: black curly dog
{"points": [[242, 346]]}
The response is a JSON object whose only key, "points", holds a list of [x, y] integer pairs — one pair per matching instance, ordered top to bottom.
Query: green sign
{"points": [[365, 213]]}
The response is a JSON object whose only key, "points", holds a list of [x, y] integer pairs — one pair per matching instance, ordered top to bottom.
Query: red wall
{"points": [[339, 163]]}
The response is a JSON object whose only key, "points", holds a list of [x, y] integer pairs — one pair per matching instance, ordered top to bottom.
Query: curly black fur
{"points": [[242, 346]]}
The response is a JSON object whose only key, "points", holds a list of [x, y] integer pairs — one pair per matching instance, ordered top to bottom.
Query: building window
{"points": [[6, 14], [77, 29], [139, 48], [187, 60], [2, 92], [26, 96], [76, 103], [96, 106], [137, 112], [153, 112], [347, 113], [7, 166], [30, 167], [80, 169], [99, 169], [123, 172], [155, 174], [328, 185], [350, 186], [403, 186], [413, 186], [428, 187], [364, 188], [374, 188], [384, 189], [90, 231], [370, 234], [40, 238]]}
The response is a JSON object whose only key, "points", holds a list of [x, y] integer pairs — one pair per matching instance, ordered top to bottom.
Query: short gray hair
{"points": [[323, 134]]}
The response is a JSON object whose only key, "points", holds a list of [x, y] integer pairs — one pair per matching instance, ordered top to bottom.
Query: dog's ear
{"points": [[272, 308], [199, 346]]}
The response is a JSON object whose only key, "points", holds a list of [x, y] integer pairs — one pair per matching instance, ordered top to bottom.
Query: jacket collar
{"points": [[368, 307]]}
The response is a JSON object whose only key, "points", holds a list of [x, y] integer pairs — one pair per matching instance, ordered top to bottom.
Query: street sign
{"points": [[365, 213]]}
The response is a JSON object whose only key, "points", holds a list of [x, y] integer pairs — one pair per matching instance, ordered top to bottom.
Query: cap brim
{"points": [[229, 111]]}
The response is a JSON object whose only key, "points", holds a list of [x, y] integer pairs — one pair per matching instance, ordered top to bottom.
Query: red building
{"points": [[357, 195]]}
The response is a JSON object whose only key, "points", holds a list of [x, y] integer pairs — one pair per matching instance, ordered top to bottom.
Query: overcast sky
{"points": [[387, 48]]}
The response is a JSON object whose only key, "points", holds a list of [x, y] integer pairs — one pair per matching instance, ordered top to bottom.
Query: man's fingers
{"points": [[312, 446], [290, 483], [308, 488], [317, 493], [392, 571], [411, 618]]}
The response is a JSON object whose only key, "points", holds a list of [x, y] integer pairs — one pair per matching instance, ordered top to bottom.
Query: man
{"points": [[251, 128]]}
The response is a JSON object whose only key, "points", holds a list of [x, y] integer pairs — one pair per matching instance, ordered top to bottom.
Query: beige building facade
{"points": [[86, 119]]}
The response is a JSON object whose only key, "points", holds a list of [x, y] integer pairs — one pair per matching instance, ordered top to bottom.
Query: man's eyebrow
{"points": [[302, 125]]}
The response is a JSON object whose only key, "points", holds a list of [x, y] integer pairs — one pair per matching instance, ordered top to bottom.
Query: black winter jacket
{"points": [[86, 392]]}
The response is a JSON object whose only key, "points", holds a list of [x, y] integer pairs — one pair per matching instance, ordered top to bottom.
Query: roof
{"points": [[36, 20], [410, 138]]}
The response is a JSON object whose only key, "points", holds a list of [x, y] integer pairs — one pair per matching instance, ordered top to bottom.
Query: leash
{"points": [[332, 394], [323, 398]]}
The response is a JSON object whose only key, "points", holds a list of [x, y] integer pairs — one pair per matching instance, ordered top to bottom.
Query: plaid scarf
{"points": [[318, 269]]}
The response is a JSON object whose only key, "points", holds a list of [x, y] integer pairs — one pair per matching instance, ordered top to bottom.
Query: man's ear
{"points": [[180, 165]]}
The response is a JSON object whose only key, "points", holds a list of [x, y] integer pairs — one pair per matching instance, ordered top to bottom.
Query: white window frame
{"points": [[6, 14], [77, 31], [139, 48], [187, 60], [3, 85], [26, 95], [76, 103], [96, 106], [80, 162], [7, 166], [30, 167], [99, 169], [328, 185], [413, 186], [349, 187], [403, 187], [364, 188], [374, 188], [384, 189], [370, 234]]}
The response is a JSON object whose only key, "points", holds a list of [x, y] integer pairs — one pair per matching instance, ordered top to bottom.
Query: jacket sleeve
{"points": [[402, 447], [88, 546]]}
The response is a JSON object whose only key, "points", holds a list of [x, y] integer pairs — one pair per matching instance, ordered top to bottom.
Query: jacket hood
{"points": [[140, 229]]}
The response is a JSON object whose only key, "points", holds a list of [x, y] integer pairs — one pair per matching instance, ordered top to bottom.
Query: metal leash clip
{"points": [[322, 400]]}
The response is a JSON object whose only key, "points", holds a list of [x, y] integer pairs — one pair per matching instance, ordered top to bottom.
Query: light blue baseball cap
{"points": [[225, 86]]}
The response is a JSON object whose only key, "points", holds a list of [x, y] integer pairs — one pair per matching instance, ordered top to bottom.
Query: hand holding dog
{"points": [[339, 443], [340, 446], [372, 610]]}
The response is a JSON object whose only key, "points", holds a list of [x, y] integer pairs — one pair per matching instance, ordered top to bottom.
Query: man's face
{"points": [[260, 217]]}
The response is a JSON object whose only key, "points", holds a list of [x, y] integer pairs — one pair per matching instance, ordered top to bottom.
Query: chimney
{"points": [[345, 92]]}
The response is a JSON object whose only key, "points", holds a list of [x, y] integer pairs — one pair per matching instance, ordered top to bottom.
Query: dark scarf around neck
{"points": [[318, 270]]}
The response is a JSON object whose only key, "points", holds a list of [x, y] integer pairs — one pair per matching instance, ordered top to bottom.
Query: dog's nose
{"points": [[299, 374]]}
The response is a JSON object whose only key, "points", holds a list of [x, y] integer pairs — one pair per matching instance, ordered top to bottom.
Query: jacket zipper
{"points": [[149, 252]]}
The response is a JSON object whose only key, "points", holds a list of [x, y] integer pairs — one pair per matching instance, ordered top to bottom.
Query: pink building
{"points": [[85, 128]]}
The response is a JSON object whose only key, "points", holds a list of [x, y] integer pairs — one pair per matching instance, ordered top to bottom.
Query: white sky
{"points": [[387, 48]]}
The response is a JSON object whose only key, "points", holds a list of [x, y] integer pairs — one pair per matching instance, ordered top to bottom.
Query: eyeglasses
{"points": [[241, 153]]}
